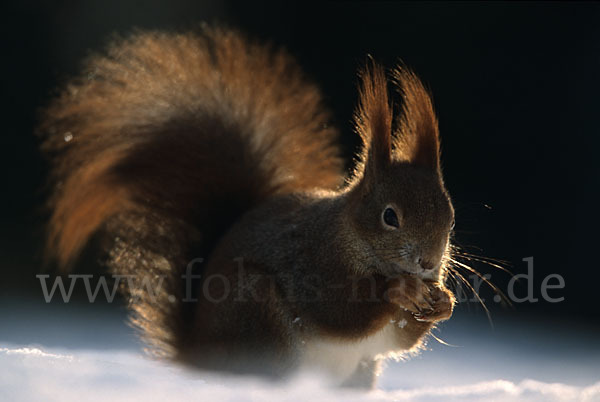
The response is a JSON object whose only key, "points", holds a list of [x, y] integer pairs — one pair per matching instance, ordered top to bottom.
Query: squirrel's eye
{"points": [[390, 218]]}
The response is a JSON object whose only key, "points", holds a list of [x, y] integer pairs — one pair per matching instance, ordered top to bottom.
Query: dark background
{"points": [[515, 85]]}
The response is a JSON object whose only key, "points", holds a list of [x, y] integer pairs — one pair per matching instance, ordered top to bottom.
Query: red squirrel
{"points": [[208, 156]]}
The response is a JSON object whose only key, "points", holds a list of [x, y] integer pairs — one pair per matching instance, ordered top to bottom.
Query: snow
{"points": [[96, 358], [32, 373]]}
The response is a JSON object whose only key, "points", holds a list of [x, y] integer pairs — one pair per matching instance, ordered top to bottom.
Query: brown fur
{"points": [[374, 118], [417, 137], [185, 146]]}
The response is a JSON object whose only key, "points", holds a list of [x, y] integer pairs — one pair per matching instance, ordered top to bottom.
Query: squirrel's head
{"points": [[399, 205]]}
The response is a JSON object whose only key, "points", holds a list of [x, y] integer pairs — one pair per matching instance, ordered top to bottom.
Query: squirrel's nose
{"points": [[426, 265]]}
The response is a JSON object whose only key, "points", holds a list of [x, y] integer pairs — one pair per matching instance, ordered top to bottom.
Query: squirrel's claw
{"points": [[411, 293], [427, 302], [443, 306]]}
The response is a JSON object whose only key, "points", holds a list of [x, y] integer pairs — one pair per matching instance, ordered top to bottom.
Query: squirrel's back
{"points": [[165, 141]]}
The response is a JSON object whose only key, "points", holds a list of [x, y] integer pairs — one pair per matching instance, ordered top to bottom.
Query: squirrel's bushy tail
{"points": [[165, 141]]}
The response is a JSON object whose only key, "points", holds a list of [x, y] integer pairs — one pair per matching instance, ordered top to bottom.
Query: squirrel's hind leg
{"points": [[365, 375]]}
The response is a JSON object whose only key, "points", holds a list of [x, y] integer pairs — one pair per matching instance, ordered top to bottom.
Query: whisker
{"points": [[493, 262], [484, 279], [455, 282], [487, 311], [441, 341]]}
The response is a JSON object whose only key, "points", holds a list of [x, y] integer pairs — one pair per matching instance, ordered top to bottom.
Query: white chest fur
{"points": [[340, 358]]}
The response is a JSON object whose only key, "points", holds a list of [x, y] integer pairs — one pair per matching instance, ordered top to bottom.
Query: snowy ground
{"points": [[68, 354]]}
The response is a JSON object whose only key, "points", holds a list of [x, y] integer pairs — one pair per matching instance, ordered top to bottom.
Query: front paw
{"points": [[411, 293], [441, 307]]}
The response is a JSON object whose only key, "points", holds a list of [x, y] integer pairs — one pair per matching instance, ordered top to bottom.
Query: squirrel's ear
{"points": [[373, 121], [416, 140]]}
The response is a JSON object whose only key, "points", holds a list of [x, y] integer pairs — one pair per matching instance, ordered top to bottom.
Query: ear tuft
{"points": [[373, 119], [417, 138]]}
